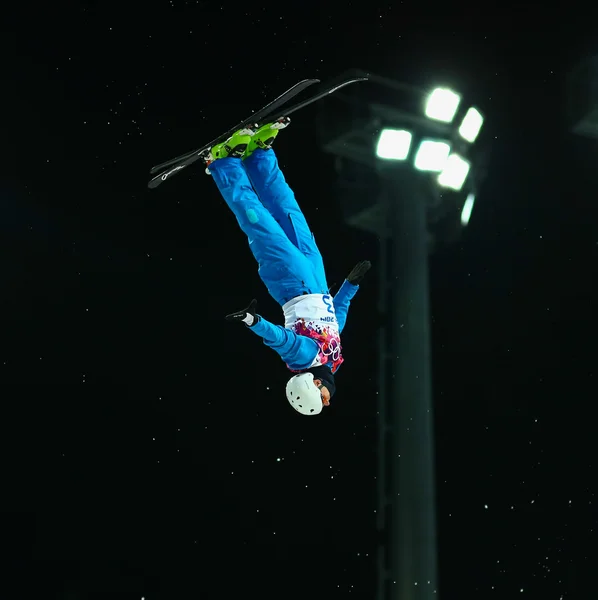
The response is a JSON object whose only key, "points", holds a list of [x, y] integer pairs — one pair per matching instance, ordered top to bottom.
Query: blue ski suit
{"points": [[290, 263]]}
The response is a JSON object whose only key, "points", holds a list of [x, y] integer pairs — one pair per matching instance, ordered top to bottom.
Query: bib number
{"points": [[328, 303]]}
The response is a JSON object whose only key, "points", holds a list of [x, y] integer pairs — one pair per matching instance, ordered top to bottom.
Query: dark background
{"points": [[148, 447]]}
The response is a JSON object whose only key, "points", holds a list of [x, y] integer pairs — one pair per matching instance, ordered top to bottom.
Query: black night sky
{"points": [[148, 448]]}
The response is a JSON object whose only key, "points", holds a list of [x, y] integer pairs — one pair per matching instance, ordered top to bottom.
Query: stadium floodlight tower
{"points": [[405, 173]]}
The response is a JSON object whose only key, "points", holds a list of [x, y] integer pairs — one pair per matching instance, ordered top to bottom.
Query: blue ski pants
{"points": [[290, 263]]}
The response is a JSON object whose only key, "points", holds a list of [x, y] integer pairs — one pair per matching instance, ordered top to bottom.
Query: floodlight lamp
{"points": [[442, 105], [471, 125], [393, 144], [431, 155], [454, 173], [467, 209]]}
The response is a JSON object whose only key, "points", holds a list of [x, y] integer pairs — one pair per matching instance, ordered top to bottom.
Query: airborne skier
{"points": [[245, 170]]}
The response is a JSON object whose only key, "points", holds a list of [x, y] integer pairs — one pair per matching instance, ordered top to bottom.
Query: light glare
{"points": [[442, 105], [471, 125], [393, 144], [431, 155], [454, 173], [467, 209]]}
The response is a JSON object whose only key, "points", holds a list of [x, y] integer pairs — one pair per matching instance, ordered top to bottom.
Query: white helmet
{"points": [[303, 395]]}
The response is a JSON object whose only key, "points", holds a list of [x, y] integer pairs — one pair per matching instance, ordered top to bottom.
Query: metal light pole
{"points": [[395, 202], [407, 563], [412, 568]]}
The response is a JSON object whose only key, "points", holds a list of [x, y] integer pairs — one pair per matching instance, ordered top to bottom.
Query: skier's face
{"points": [[323, 392]]}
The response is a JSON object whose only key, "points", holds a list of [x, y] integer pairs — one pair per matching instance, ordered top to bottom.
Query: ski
{"points": [[330, 90], [276, 103], [270, 112]]}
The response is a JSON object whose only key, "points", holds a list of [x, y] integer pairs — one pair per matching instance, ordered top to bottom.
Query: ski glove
{"points": [[358, 272], [247, 315]]}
